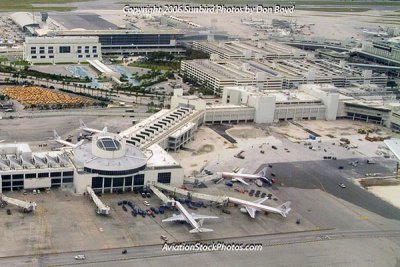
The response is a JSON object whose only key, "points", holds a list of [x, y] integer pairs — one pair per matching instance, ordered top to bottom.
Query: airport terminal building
{"points": [[61, 49], [106, 163]]}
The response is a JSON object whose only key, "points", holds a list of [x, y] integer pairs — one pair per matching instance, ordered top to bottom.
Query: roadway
{"points": [[74, 112], [325, 175], [368, 248]]}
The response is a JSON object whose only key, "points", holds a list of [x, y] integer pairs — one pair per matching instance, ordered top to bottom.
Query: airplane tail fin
{"points": [[82, 124], [105, 129], [56, 136], [263, 172], [285, 208], [201, 222], [200, 230]]}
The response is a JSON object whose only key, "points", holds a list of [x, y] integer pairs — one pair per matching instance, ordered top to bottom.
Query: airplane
{"points": [[376, 34], [84, 128], [58, 139], [240, 176], [251, 207], [190, 218]]}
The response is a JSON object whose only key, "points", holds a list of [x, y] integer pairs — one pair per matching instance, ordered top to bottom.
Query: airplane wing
{"points": [[241, 170], [240, 180], [260, 201], [251, 211], [202, 217], [175, 218]]}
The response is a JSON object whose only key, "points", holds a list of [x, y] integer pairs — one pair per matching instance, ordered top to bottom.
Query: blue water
{"points": [[80, 71], [126, 72]]}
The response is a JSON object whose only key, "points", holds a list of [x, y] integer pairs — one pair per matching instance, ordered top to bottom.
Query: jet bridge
{"points": [[176, 190], [160, 195], [26, 206], [101, 207]]}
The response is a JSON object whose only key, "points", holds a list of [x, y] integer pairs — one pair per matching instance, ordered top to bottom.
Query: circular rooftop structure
{"points": [[109, 154]]}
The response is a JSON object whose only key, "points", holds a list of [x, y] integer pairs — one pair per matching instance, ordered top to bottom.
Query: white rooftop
{"points": [[158, 157]]}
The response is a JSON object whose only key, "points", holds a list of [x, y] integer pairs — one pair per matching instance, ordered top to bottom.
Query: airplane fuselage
{"points": [[254, 205], [189, 218]]}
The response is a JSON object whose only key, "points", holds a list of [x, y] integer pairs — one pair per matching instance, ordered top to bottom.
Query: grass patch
{"points": [[283, 2], [26, 5], [333, 9], [3, 59], [21, 63], [151, 66]]}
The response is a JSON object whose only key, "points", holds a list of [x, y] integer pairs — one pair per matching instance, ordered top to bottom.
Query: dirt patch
{"points": [[204, 149], [379, 182]]}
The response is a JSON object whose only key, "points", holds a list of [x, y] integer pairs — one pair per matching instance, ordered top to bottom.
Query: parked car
{"points": [[342, 185], [148, 195], [119, 203], [146, 203], [124, 208], [9, 212], [80, 257]]}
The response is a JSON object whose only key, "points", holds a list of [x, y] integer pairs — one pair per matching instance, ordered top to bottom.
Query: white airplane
{"points": [[376, 34], [84, 128], [58, 139], [240, 176], [251, 207], [190, 218]]}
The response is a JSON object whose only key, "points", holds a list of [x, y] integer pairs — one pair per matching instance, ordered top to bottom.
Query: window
{"points": [[65, 49], [79, 49], [86, 49], [94, 49], [33, 50], [41, 50], [50, 50], [87, 55], [33, 56], [42, 56], [51, 56], [79, 56], [95, 56], [108, 144], [55, 174], [68, 174], [30, 175], [43, 175], [18, 176], [6, 177], [164, 177], [138, 179], [68, 180], [55, 181], [128, 181], [97, 182], [107, 182], [118, 182], [6, 183], [18, 183]]}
